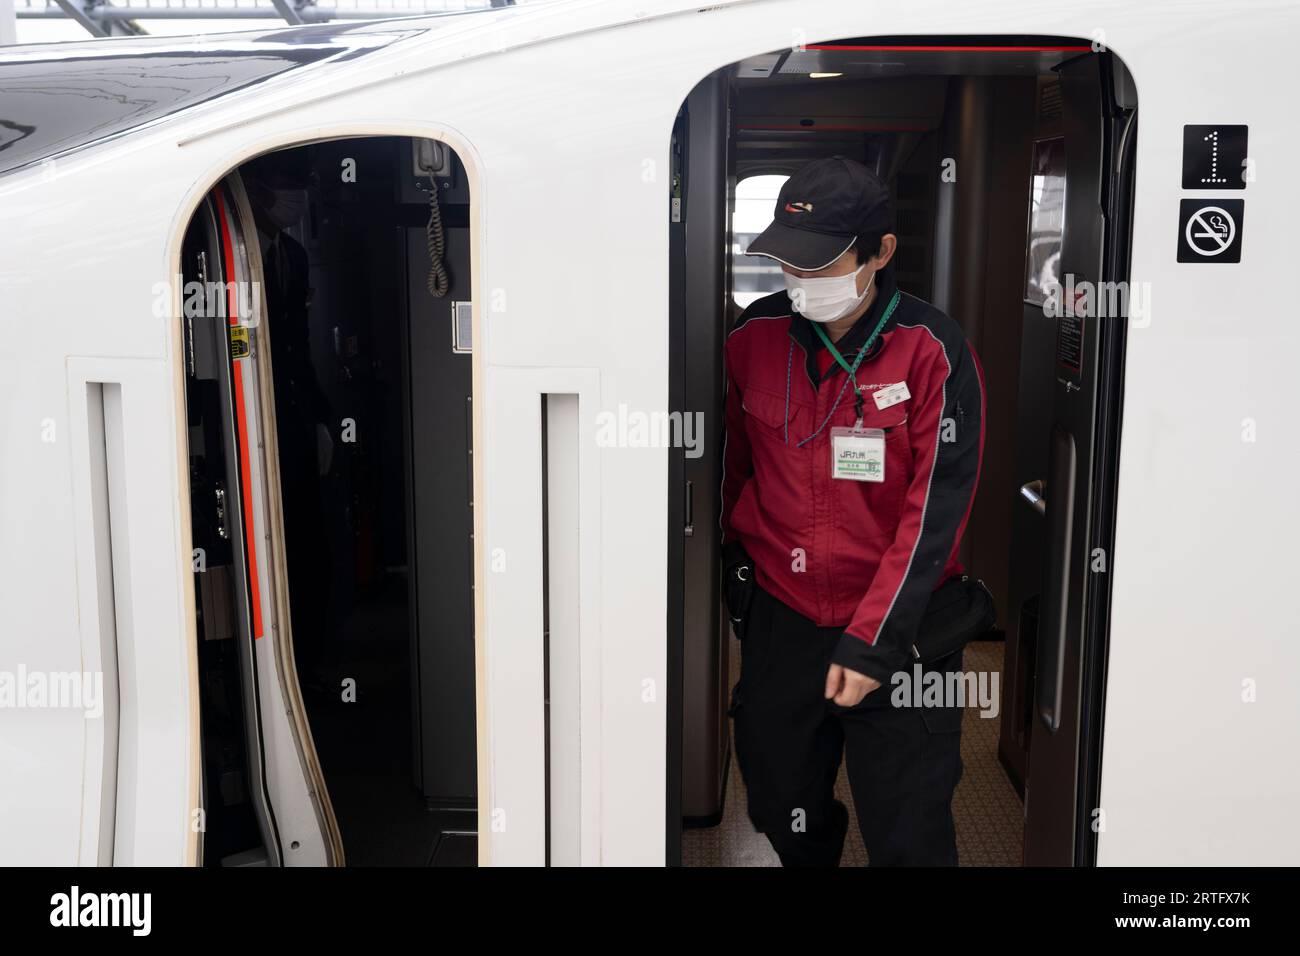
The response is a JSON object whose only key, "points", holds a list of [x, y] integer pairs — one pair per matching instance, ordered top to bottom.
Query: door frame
{"points": [[230, 149], [1120, 153]]}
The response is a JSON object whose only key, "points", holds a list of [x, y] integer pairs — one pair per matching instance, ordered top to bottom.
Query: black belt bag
{"points": [[738, 590], [960, 610]]}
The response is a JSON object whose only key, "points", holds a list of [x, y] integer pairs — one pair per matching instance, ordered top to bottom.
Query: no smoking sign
{"points": [[1209, 230]]}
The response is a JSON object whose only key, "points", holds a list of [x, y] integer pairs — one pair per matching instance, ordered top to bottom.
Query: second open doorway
{"points": [[1008, 161]]}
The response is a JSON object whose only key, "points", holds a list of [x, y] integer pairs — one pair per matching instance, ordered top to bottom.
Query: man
{"points": [[854, 428]]}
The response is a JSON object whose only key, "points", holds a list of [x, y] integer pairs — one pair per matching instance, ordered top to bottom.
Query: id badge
{"points": [[891, 395], [858, 454]]}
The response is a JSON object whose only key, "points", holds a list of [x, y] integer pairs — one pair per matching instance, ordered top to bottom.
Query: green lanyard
{"points": [[862, 352]]}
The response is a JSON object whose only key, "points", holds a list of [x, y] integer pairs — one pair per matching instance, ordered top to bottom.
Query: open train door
{"points": [[1075, 494], [260, 763]]}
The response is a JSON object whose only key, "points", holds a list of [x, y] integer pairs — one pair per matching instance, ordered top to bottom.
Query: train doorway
{"points": [[1009, 162], [328, 387]]}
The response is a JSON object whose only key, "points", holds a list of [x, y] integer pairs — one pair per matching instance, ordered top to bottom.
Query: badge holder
{"points": [[857, 453]]}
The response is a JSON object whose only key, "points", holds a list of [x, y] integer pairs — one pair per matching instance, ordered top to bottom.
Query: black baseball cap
{"points": [[821, 210]]}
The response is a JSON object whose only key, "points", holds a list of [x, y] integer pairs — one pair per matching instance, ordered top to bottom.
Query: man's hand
{"points": [[848, 687]]}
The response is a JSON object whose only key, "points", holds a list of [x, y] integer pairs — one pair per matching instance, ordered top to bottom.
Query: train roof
{"points": [[62, 97]]}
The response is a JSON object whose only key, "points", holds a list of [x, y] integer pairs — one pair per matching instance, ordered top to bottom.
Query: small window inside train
{"points": [[1046, 220], [753, 277]]}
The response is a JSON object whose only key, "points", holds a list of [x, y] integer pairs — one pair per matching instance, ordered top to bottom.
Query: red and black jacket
{"points": [[863, 555]]}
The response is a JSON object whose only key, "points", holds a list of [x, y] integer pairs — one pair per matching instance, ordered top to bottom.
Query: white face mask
{"points": [[289, 207], [827, 298]]}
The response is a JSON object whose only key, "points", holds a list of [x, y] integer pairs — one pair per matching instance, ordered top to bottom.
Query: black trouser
{"points": [[903, 762]]}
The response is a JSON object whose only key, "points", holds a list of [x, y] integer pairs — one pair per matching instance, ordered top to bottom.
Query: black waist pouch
{"points": [[738, 588], [960, 610]]}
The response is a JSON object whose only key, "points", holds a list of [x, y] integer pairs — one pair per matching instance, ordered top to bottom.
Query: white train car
{"points": [[432, 586]]}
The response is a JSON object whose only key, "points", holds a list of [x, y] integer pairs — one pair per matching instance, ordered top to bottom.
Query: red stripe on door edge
{"points": [[241, 422]]}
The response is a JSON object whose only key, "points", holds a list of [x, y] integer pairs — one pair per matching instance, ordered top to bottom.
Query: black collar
{"points": [[801, 330]]}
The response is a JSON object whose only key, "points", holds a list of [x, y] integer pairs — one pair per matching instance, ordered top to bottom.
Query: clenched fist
{"points": [[848, 687]]}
